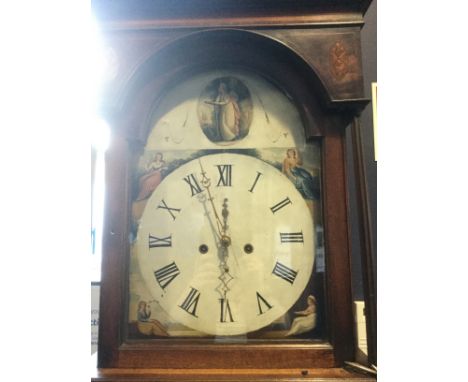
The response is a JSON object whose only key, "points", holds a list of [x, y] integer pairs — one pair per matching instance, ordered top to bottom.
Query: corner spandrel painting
{"points": [[233, 112]]}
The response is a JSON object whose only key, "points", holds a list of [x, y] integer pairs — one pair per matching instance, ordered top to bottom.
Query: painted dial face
{"points": [[225, 244]]}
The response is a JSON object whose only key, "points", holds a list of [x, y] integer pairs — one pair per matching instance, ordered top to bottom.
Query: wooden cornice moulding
{"points": [[200, 13], [277, 21]]}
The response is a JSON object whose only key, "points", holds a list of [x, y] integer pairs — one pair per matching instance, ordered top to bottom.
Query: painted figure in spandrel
{"points": [[151, 179]]}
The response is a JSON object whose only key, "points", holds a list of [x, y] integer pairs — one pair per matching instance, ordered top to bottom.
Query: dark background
{"points": [[369, 62]]}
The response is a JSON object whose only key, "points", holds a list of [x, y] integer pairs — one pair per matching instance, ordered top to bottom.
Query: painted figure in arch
{"points": [[225, 110], [226, 113]]}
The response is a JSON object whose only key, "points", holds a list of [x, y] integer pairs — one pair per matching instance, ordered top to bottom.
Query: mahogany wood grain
{"points": [[337, 246], [229, 375]]}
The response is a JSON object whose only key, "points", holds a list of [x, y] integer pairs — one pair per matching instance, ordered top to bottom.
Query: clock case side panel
{"points": [[130, 128], [115, 249]]}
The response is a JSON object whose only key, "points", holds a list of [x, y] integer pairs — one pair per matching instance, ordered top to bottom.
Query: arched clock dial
{"points": [[225, 244]]}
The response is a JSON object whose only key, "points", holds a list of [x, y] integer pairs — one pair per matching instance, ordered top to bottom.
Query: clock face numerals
{"points": [[259, 174], [225, 177], [195, 188], [278, 206], [172, 211], [292, 237], [156, 242], [230, 258], [285, 273], [166, 274], [190, 303], [263, 304], [226, 314]]}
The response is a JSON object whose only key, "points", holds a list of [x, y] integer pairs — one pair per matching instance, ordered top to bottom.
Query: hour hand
{"points": [[206, 182], [225, 215], [225, 239]]}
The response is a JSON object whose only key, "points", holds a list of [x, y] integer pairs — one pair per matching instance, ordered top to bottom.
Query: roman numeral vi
{"points": [[225, 311]]}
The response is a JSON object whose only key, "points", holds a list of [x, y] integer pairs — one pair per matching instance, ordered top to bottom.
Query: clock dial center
{"points": [[225, 241], [203, 249]]}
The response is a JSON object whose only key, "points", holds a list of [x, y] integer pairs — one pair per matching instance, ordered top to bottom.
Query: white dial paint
{"points": [[268, 243]]}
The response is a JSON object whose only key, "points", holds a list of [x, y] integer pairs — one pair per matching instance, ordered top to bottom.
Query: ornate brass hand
{"points": [[206, 182], [224, 241]]}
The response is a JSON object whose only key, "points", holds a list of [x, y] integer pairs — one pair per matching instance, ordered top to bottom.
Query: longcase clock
{"points": [[226, 239]]}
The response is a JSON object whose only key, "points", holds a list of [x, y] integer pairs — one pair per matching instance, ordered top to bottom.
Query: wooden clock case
{"points": [[313, 55]]}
